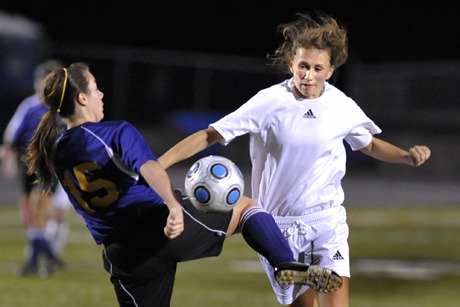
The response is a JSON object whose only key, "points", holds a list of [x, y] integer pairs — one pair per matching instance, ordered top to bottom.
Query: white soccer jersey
{"points": [[296, 146]]}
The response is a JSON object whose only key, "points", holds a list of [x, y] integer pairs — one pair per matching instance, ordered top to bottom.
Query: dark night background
{"points": [[378, 30], [154, 59]]}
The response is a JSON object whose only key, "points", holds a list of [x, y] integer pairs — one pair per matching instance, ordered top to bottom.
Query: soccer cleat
{"points": [[58, 263], [44, 268], [28, 270], [314, 276]]}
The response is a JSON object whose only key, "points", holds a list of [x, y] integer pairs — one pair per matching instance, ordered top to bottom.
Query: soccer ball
{"points": [[214, 184]]}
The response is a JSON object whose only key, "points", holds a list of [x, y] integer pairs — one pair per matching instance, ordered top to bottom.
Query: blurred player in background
{"points": [[297, 129], [125, 197], [45, 216]]}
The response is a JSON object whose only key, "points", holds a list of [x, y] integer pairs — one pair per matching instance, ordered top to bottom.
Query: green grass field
{"points": [[400, 257]]}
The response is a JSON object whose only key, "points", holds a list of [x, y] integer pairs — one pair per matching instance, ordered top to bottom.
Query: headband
{"points": [[63, 90]]}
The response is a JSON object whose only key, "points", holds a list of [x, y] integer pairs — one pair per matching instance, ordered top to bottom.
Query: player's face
{"points": [[310, 69], [94, 96]]}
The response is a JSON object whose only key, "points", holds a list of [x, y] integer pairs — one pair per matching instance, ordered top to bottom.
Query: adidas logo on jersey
{"points": [[309, 114], [337, 256]]}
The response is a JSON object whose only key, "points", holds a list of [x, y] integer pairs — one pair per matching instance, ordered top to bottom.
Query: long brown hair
{"points": [[323, 33], [60, 92]]}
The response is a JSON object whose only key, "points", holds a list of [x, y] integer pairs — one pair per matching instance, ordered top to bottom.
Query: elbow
{"points": [[212, 136]]}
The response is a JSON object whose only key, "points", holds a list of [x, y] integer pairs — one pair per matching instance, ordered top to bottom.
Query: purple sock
{"points": [[263, 235], [40, 245], [43, 246]]}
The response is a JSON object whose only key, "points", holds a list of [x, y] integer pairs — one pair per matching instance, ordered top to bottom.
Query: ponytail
{"points": [[41, 150]]}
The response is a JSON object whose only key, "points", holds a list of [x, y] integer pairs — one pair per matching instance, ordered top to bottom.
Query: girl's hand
{"points": [[418, 155], [175, 222]]}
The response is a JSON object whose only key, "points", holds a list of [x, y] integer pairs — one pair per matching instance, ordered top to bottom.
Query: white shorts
{"points": [[60, 198], [320, 238]]}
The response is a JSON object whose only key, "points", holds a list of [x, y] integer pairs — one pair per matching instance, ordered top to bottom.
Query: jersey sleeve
{"points": [[248, 118], [364, 128], [361, 136], [132, 147]]}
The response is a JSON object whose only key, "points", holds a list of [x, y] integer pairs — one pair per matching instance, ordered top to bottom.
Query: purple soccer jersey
{"points": [[98, 165]]}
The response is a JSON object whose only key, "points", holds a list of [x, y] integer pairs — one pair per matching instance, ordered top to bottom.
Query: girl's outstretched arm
{"points": [[190, 146], [384, 151]]}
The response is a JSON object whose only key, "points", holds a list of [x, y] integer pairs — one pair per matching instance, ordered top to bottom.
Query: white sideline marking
{"points": [[401, 269], [405, 269]]}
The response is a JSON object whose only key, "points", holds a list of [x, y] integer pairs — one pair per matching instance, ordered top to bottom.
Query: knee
{"points": [[244, 204]]}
